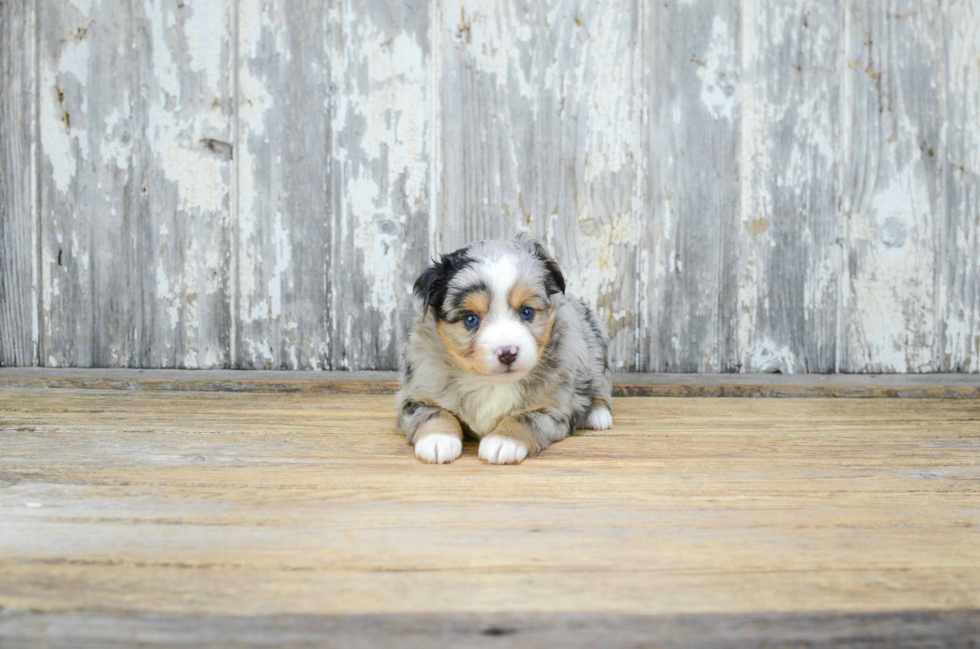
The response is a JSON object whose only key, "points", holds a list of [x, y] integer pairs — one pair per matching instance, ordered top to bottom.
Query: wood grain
{"points": [[88, 69], [286, 106], [789, 166], [334, 181], [135, 184], [382, 185], [734, 186], [18, 193], [892, 193], [181, 243], [959, 270], [689, 282], [853, 386], [123, 507], [890, 629]]}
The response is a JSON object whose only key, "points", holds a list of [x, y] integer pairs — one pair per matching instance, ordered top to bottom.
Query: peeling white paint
{"points": [[83, 6], [491, 33], [205, 44], [165, 71], [718, 72], [255, 107], [56, 141], [117, 145], [559, 152], [284, 256], [597, 271], [751, 276], [891, 300], [261, 350], [769, 356]]}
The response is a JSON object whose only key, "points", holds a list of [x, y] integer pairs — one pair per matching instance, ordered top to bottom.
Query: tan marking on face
{"points": [[521, 295], [524, 295], [478, 303], [542, 332], [461, 345], [443, 424]]}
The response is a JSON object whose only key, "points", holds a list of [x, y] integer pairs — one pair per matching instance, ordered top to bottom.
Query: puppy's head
{"points": [[492, 304]]}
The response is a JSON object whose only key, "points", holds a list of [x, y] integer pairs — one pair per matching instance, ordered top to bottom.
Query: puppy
{"points": [[501, 353]]}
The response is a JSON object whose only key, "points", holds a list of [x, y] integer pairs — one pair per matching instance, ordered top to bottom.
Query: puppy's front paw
{"points": [[600, 419], [438, 448], [502, 450]]}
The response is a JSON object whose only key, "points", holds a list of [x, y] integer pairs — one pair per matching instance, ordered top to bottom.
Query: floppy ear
{"points": [[554, 280], [431, 286]]}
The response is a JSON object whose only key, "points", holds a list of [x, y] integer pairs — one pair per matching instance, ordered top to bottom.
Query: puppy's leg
{"points": [[601, 416], [436, 434], [524, 434]]}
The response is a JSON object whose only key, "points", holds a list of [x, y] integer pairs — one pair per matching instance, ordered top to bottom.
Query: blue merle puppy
{"points": [[501, 353]]}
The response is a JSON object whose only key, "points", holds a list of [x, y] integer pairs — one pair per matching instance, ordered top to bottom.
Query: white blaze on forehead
{"points": [[501, 275], [503, 328]]}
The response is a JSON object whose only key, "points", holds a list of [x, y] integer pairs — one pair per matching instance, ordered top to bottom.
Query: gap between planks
{"points": [[853, 386]]}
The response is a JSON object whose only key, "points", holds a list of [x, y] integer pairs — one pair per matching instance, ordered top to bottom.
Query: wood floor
{"points": [[190, 518]]}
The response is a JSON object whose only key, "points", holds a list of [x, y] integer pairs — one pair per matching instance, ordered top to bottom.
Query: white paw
{"points": [[600, 419], [438, 448], [501, 450]]}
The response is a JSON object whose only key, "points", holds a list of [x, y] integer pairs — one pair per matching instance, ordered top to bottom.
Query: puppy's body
{"points": [[500, 352]]}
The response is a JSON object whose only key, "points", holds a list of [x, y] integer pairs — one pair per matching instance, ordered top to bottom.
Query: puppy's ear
{"points": [[554, 281], [431, 286]]}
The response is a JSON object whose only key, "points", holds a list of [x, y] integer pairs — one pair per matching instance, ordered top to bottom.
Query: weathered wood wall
{"points": [[736, 186]]}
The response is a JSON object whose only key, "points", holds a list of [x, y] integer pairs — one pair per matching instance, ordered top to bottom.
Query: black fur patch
{"points": [[554, 281], [432, 284], [411, 407]]}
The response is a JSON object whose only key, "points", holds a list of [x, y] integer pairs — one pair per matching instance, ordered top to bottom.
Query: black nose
{"points": [[507, 355]]}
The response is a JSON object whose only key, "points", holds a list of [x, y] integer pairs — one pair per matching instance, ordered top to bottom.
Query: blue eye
{"points": [[527, 313], [471, 321]]}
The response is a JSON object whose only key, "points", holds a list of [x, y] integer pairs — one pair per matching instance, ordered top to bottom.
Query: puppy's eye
{"points": [[527, 313], [471, 321]]}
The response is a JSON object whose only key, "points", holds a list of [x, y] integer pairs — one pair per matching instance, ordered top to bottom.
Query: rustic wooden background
{"points": [[737, 186]]}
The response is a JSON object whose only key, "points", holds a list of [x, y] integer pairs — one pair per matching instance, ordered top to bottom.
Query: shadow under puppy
{"points": [[501, 353]]}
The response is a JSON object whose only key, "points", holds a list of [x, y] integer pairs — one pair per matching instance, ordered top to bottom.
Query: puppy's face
{"points": [[492, 306]]}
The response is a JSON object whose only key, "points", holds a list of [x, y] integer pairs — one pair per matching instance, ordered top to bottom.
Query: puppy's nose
{"points": [[507, 355]]}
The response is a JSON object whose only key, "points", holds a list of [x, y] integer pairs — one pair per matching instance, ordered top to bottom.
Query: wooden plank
{"points": [[490, 89], [287, 104], [135, 124], [541, 134], [87, 138], [670, 155], [382, 177], [334, 181], [892, 189], [18, 195], [789, 234], [181, 241], [959, 254], [688, 290], [206, 380], [849, 386], [903, 386], [131, 510], [893, 629]]}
